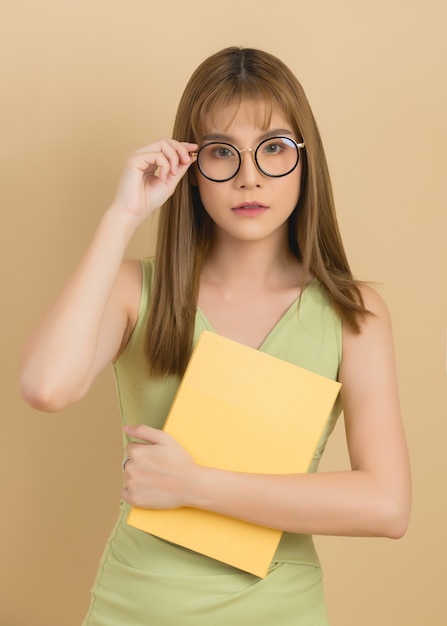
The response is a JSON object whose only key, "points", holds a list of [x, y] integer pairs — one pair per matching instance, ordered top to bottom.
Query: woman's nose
{"points": [[248, 174]]}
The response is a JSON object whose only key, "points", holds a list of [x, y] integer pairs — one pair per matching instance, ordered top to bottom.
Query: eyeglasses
{"points": [[275, 157]]}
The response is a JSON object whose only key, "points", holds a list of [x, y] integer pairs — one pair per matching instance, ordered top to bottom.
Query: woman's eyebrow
{"points": [[275, 132], [217, 137]]}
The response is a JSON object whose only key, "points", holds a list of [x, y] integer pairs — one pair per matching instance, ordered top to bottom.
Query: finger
{"points": [[170, 150], [166, 152], [175, 152], [185, 152], [182, 157], [148, 162], [145, 433]]}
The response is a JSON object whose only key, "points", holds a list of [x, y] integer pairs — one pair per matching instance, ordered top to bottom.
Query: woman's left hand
{"points": [[158, 472]]}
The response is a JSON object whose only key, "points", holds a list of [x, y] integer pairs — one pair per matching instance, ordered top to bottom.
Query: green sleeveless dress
{"points": [[145, 581]]}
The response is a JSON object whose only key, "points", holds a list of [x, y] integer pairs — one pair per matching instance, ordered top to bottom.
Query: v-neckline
{"points": [[278, 323]]}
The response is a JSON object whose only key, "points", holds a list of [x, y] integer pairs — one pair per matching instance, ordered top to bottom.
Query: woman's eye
{"points": [[273, 148], [222, 152]]}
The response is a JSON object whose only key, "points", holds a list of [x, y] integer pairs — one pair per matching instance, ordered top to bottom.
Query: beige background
{"points": [[83, 83]]}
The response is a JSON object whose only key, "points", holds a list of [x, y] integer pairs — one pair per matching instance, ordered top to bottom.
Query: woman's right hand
{"points": [[151, 175], [84, 329]]}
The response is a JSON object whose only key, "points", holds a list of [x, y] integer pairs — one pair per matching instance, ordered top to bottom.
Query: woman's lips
{"points": [[250, 208]]}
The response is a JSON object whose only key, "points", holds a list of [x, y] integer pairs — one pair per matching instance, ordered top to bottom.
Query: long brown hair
{"points": [[185, 227]]}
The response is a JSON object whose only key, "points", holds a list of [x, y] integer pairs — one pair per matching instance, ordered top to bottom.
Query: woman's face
{"points": [[251, 206]]}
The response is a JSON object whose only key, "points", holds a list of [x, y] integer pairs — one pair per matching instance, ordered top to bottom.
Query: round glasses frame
{"points": [[254, 151]]}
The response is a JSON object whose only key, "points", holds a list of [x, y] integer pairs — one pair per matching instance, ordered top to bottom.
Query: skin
{"points": [[249, 279]]}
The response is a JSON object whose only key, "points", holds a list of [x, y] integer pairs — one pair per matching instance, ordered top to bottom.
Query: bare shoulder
{"points": [[373, 301], [378, 316], [371, 350]]}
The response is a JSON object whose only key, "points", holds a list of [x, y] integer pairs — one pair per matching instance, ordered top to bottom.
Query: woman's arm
{"points": [[86, 326], [373, 499]]}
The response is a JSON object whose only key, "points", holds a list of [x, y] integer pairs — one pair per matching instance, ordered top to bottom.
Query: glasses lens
{"points": [[277, 156], [218, 161]]}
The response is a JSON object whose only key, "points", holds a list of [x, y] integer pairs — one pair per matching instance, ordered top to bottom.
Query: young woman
{"points": [[248, 247]]}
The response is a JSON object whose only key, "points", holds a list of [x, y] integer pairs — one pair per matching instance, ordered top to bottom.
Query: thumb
{"points": [[145, 433]]}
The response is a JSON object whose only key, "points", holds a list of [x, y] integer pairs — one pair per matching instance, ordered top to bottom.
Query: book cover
{"points": [[241, 410]]}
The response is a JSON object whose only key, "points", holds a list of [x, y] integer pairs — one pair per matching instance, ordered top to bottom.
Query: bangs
{"points": [[229, 79], [207, 113]]}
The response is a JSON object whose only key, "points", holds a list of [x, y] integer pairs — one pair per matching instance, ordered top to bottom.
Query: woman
{"points": [[248, 247]]}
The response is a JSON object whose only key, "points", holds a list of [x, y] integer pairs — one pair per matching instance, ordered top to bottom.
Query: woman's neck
{"points": [[254, 265]]}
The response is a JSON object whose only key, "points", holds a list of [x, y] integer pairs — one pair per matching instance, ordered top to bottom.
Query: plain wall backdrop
{"points": [[83, 84]]}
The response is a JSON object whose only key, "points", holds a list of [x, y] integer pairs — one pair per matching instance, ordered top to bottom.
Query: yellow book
{"points": [[242, 410]]}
